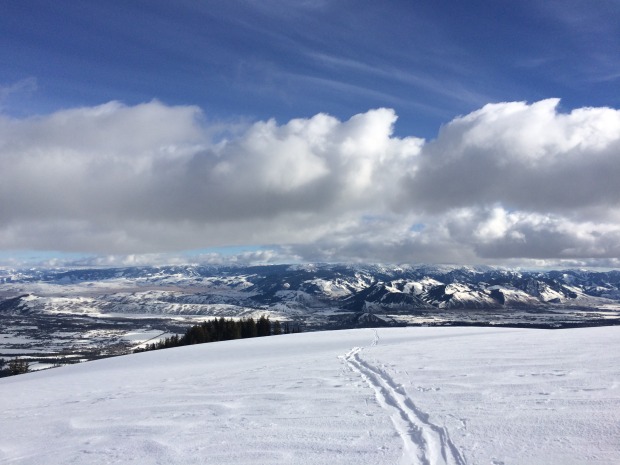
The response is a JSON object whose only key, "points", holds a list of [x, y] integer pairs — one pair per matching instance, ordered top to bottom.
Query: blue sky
{"points": [[429, 60], [224, 67]]}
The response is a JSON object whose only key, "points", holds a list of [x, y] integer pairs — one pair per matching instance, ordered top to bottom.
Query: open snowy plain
{"points": [[387, 396]]}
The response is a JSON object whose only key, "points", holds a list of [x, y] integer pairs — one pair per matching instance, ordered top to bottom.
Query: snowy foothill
{"points": [[367, 396]]}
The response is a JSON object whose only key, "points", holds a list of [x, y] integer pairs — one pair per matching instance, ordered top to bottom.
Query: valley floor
{"points": [[385, 396]]}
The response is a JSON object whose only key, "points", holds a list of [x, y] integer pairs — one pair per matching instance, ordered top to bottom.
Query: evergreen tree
{"points": [[263, 327], [249, 328], [232, 330], [18, 366]]}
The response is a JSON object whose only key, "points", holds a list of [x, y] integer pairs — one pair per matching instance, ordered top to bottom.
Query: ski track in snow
{"points": [[505, 396], [424, 443]]}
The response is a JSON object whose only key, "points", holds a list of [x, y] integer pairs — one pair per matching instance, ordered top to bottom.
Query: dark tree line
{"points": [[221, 329], [16, 366]]}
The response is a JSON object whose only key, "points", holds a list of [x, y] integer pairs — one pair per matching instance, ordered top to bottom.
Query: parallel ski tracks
{"points": [[424, 442]]}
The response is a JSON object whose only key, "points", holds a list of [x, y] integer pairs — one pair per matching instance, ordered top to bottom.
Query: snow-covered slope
{"points": [[388, 396]]}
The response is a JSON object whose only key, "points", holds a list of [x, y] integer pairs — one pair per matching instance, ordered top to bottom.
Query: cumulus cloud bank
{"points": [[509, 182]]}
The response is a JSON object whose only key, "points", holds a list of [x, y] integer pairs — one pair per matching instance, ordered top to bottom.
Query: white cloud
{"points": [[525, 157], [511, 181]]}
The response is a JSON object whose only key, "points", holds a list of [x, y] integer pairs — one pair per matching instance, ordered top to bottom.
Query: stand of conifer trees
{"points": [[220, 329], [13, 367]]}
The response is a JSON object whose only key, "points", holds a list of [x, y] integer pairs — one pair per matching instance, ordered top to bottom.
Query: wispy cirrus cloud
{"points": [[24, 86]]}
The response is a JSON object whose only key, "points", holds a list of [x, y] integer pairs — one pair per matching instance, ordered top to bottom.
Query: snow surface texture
{"points": [[389, 396]]}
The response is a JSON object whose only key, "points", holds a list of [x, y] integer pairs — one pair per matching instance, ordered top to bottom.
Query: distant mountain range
{"points": [[294, 290], [61, 316]]}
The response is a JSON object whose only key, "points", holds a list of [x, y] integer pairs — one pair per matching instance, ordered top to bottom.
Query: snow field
{"points": [[430, 396]]}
